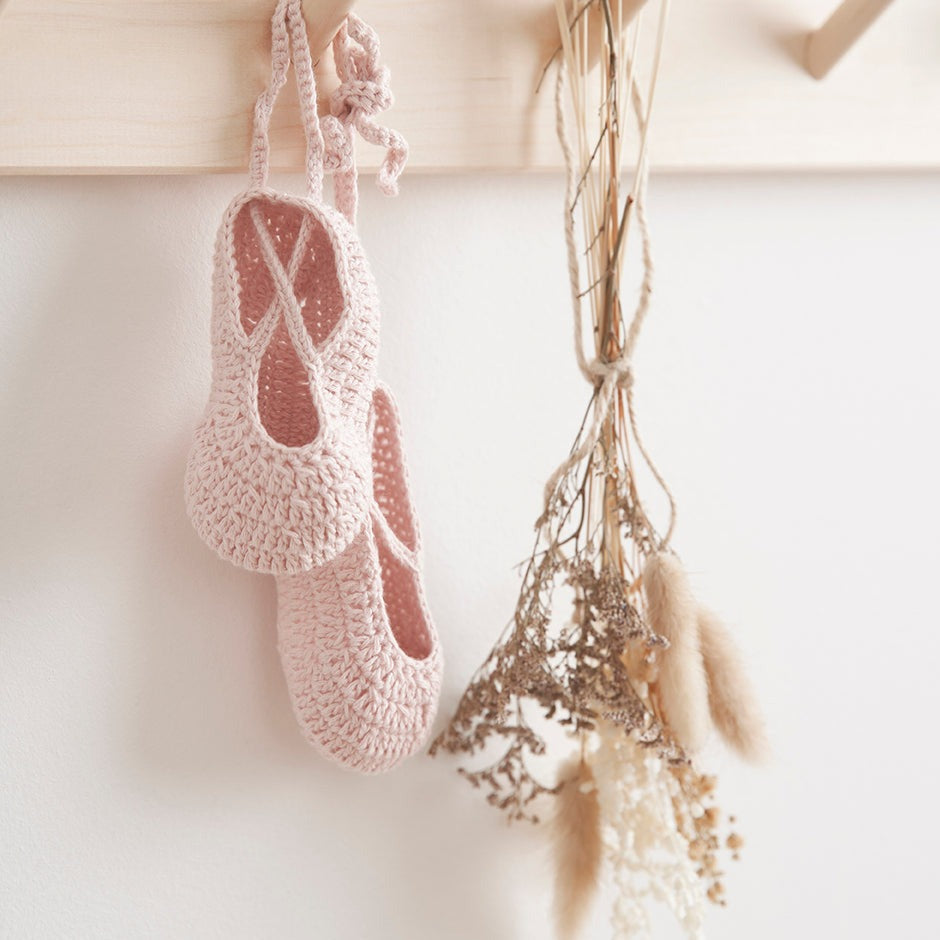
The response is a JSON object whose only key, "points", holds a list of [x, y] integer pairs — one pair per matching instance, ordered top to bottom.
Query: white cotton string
{"points": [[641, 182], [571, 243], [609, 376], [631, 410], [592, 435]]}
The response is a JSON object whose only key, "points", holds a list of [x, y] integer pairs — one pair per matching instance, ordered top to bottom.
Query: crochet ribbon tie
{"points": [[363, 93]]}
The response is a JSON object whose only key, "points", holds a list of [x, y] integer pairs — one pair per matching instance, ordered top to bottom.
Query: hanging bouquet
{"points": [[607, 642]]}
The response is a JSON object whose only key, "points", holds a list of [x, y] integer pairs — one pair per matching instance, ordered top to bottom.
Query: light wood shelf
{"points": [[167, 86]]}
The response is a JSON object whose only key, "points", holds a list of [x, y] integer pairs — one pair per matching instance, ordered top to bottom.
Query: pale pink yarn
{"points": [[362, 93], [296, 468], [278, 476], [278, 479], [358, 647]]}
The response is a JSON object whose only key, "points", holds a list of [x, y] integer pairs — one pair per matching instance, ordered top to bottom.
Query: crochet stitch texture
{"points": [[297, 467], [278, 478], [358, 647]]}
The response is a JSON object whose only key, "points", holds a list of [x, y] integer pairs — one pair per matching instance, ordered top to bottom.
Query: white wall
{"points": [[152, 783]]}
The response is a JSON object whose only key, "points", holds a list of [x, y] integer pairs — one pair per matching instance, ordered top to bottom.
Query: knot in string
{"points": [[363, 93], [362, 96], [617, 371]]}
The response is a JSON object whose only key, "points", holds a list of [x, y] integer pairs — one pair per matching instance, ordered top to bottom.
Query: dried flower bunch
{"points": [[638, 672]]}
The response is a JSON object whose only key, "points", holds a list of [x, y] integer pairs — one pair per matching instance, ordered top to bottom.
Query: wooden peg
{"points": [[324, 18], [545, 25], [839, 33]]}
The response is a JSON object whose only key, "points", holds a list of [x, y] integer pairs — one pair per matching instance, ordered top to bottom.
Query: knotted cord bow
{"points": [[364, 92]]}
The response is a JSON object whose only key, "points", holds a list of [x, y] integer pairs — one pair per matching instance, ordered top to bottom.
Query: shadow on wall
{"points": [[107, 391]]}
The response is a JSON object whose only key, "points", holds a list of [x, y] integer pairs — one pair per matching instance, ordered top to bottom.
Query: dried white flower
{"points": [[648, 855]]}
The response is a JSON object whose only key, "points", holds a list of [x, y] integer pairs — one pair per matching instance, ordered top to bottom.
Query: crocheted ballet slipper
{"points": [[279, 477], [359, 651]]}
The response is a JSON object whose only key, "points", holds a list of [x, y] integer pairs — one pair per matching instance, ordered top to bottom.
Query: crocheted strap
{"points": [[289, 42], [363, 93], [290, 306], [264, 329], [395, 545], [406, 554]]}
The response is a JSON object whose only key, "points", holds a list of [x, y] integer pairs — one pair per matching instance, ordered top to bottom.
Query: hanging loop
{"points": [[289, 43]]}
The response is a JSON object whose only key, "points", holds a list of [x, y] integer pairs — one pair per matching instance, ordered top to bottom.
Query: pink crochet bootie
{"points": [[297, 468], [279, 476], [359, 650]]}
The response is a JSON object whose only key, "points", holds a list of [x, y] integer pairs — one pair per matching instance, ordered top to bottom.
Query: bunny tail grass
{"points": [[673, 614], [731, 697], [578, 846]]}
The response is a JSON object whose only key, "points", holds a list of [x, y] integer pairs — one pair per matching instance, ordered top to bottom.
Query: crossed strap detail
{"points": [[286, 304]]}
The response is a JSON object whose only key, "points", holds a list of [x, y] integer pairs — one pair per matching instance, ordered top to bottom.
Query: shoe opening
{"points": [[305, 255], [406, 614]]}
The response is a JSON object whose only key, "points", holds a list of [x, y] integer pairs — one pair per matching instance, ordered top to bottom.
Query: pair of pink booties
{"points": [[297, 467]]}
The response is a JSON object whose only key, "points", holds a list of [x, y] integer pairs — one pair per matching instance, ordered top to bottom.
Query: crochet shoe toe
{"points": [[358, 647]]}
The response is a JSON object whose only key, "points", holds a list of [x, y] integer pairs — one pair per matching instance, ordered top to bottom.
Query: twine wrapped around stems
{"points": [[611, 375]]}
